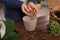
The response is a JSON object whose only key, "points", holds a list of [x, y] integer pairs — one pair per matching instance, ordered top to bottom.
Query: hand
{"points": [[32, 7], [25, 9]]}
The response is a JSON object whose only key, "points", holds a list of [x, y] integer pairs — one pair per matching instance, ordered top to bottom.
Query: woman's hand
{"points": [[32, 8], [25, 9]]}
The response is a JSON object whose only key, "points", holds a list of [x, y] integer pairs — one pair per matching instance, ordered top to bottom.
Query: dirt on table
{"points": [[40, 33]]}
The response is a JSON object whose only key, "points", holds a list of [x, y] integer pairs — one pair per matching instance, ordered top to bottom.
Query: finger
{"points": [[26, 8], [34, 8], [30, 9], [27, 13], [33, 13], [30, 15]]}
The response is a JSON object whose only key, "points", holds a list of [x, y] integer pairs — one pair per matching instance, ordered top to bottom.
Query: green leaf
{"points": [[9, 26], [54, 28], [12, 36]]}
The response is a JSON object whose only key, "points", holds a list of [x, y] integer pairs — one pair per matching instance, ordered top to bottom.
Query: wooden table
{"points": [[40, 33]]}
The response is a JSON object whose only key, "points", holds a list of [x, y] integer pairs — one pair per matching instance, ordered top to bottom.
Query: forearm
{"points": [[12, 3]]}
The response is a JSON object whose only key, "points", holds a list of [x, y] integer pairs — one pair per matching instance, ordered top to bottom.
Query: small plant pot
{"points": [[38, 6], [55, 13]]}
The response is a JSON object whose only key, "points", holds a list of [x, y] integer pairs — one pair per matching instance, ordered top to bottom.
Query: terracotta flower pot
{"points": [[55, 13]]}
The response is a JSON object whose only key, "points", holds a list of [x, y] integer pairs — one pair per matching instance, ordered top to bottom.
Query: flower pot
{"points": [[38, 6], [55, 13], [2, 29]]}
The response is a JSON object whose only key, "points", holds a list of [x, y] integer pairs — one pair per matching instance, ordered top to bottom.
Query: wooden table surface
{"points": [[40, 33]]}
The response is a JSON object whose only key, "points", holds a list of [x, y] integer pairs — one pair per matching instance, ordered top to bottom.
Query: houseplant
{"points": [[39, 4], [55, 13], [54, 28], [9, 32]]}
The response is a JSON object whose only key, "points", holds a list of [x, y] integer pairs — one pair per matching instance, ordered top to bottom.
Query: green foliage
{"points": [[39, 1], [9, 26], [54, 28], [10, 34]]}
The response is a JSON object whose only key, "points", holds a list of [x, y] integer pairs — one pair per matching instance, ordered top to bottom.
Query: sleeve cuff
{"points": [[34, 1], [20, 4]]}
